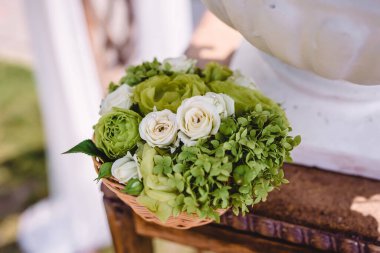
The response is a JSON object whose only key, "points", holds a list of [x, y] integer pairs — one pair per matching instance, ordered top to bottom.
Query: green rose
{"points": [[216, 72], [163, 92], [245, 98], [117, 132]]}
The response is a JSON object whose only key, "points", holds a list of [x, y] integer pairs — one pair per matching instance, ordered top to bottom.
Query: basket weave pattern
{"points": [[182, 221]]}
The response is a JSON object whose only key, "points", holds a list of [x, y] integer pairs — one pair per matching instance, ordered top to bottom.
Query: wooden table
{"points": [[311, 214]]}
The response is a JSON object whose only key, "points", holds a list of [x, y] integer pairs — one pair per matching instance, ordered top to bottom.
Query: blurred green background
{"points": [[22, 160], [23, 179]]}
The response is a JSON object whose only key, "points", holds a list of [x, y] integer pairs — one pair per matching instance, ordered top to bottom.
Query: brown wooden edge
{"points": [[122, 226], [298, 234], [217, 239]]}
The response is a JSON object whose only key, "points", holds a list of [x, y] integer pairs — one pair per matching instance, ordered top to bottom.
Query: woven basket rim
{"points": [[182, 221]]}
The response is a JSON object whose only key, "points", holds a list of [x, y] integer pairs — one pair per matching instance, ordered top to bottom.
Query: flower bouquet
{"points": [[181, 144]]}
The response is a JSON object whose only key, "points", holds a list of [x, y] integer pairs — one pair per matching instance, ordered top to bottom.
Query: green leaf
{"points": [[112, 87], [258, 108], [243, 121], [297, 140], [214, 143], [88, 147], [220, 152], [158, 159], [167, 161], [179, 168], [158, 169], [168, 169], [104, 171], [197, 171], [180, 186], [244, 189], [148, 202], [190, 205]]}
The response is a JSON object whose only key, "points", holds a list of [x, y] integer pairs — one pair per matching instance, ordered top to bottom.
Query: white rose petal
{"points": [[179, 64], [242, 80], [120, 98], [224, 103], [197, 117], [159, 129], [185, 139], [175, 144], [135, 158], [125, 168]]}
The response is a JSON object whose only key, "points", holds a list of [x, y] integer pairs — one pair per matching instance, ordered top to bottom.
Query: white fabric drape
{"points": [[163, 28], [72, 219]]}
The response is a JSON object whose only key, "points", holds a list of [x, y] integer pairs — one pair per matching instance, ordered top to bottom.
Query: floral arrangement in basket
{"points": [[181, 144]]}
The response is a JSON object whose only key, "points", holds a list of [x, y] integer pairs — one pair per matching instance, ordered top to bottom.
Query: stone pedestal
{"points": [[339, 121]]}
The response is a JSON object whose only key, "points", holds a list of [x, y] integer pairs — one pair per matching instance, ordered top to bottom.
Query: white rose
{"points": [[179, 64], [242, 80], [121, 98], [224, 103], [197, 117], [159, 129], [186, 140], [125, 168]]}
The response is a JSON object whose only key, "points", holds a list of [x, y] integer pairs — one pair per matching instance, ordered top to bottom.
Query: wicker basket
{"points": [[182, 221]]}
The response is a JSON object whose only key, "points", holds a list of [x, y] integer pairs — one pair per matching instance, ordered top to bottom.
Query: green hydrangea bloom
{"points": [[164, 92], [117, 132], [157, 189]]}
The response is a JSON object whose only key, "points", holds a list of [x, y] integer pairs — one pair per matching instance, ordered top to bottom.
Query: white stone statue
{"points": [[310, 56]]}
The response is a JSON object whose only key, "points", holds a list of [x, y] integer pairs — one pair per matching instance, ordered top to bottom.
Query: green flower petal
{"points": [[216, 72], [163, 92], [245, 98]]}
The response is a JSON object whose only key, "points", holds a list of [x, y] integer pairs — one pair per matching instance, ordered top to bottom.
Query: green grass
{"points": [[20, 124], [22, 160]]}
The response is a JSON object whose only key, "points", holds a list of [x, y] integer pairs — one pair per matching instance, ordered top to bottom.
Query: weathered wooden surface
{"points": [[323, 200]]}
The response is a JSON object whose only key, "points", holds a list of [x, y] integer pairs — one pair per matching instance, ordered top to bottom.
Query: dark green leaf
{"points": [[88, 147]]}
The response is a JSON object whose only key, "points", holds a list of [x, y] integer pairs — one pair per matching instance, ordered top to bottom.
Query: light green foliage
{"points": [[216, 72], [139, 73], [136, 74], [164, 92], [117, 132], [237, 168]]}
